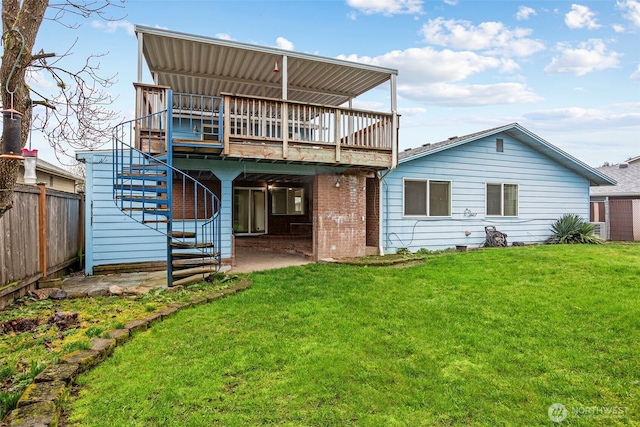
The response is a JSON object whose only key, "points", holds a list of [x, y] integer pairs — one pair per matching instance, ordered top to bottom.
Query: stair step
{"points": [[145, 165], [161, 177], [140, 187], [142, 199], [160, 211], [155, 221], [183, 234], [187, 245], [192, 257], [210, 263], [211, 268], [191, 279]]}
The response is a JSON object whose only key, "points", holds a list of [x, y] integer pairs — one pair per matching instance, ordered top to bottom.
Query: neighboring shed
{"points": [[54, 177], [444, 194], [617, 208]]}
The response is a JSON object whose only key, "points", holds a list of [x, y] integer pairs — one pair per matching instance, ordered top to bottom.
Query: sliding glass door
{"points": [[249, 211]]}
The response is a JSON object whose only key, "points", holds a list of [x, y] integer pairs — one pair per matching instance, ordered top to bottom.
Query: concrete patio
{"points": [[247, 261]]}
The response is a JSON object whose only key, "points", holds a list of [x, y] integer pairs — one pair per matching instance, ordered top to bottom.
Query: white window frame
{"points": [[486, 199], [428, 207], [290, 210]]}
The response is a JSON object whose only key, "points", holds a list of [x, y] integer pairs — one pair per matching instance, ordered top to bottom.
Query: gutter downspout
{"points": [[383, 218], [607, 219]]}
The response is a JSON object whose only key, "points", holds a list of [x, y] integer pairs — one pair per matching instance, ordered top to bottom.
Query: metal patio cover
{"points": [[208, 66]]}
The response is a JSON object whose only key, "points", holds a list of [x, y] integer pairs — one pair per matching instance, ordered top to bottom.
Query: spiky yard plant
{"points": [[572, 228]]}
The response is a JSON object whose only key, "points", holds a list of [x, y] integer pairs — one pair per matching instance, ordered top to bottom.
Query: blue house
{"points": [[236, 145], [239, 146], [444, 194]]}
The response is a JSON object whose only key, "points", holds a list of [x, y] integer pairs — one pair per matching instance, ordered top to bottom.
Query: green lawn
{"points": [[490, 337]]}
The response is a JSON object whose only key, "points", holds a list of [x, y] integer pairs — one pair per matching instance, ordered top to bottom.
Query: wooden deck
{"points": [[244, 127]]}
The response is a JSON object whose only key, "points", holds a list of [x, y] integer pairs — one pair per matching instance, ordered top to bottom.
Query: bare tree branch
{"points": [[77, 114]]}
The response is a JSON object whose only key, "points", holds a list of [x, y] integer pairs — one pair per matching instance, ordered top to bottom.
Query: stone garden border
{"points": [[41, 403]]}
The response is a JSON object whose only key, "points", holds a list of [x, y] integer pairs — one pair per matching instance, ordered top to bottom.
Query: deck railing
{"points": [[197, 117], [262, 119], [211, 120]]}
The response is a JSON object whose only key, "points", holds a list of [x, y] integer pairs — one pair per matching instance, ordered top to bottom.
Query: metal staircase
{"points": [[147, 188]]}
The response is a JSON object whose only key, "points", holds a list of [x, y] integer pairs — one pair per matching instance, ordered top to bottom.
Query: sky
{"points": [[567, 71]]}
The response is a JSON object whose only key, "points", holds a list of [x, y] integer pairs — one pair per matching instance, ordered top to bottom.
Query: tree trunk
{"points": [[17, 21]]}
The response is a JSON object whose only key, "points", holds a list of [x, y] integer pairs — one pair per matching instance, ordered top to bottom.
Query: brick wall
{"points": [[184, 201], [339, 216]]}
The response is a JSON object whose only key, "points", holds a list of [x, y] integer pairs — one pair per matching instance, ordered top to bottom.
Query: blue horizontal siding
{"points": [[546, 191], [113, 237]]}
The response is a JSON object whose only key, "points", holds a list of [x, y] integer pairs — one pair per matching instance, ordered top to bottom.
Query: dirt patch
{"points": [[63, 320], [19, 326]]}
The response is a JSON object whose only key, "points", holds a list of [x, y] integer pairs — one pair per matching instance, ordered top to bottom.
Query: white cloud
{"points": [[451, 2], [387, 7], [632, 8], [524, 13], [352, 15], [581, 17], [113, 26], [618, 28], [223, 36], [491, 37], [283, 43], [589, 56], [417, 64], [635, 76], [37, 79], [420, 80], [459, 95], [411, 111], [589, 118]]}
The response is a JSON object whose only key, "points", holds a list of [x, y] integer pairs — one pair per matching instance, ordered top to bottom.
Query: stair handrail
{"points": [[125, 155]]}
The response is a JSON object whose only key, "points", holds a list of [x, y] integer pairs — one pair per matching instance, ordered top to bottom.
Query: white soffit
{"points": [[209, 66]]}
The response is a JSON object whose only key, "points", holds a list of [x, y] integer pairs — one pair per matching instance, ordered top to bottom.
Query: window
{"points": [[499, 145], [427, 198], [502, 199], [287, 201]]}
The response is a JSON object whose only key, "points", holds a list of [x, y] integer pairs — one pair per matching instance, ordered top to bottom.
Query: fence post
{"points": [[42, 228], [81, 230]]}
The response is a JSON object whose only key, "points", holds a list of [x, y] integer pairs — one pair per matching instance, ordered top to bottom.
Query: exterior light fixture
{"points": [[275, 67], [11, 143], [30, 159], [337, 182]]}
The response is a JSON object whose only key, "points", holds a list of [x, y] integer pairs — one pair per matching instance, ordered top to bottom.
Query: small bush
{"points": [[572, 229], [403, 251], [93, 331], [76, 345], [8, 402]]}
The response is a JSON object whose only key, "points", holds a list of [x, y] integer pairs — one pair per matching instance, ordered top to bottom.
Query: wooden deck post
{"points": [[226, 124], [285, 130], [336, 135], [42, 228]]}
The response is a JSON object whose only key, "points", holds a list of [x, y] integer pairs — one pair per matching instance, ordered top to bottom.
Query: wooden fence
{"points": [[38, 215]]}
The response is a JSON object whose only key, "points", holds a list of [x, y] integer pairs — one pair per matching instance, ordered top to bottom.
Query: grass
{"points": [[490, 337], [24, 355]]}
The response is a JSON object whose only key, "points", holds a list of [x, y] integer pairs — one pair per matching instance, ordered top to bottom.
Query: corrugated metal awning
{"points": [[209, 66]]}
